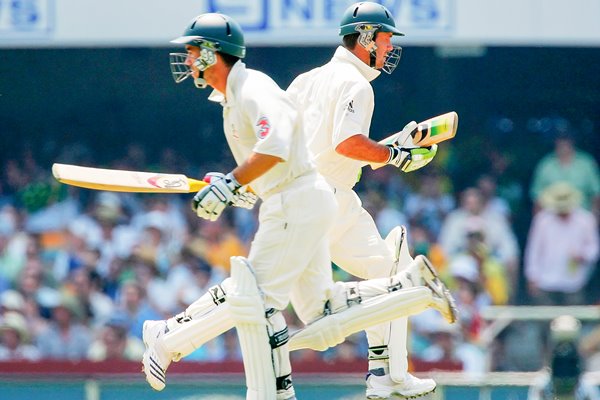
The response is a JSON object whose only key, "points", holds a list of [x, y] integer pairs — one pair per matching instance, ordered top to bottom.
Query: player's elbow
{"points": [[349, 146]]}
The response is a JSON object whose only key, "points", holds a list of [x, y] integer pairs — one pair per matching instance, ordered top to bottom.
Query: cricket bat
{"points": [[431, 131], [124, 181]]}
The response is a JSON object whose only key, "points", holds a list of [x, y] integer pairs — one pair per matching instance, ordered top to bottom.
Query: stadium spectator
{"points": [[568, 164], [492, 202], [430, 204], [116, 236], [498, 236], [219, 241], [421, 241], [562, 248], [493, 274], [470, 295], [11, 300], [133, 301], [97, 306], [65, 337], [14, 339], [114, 342], [448, 345]]}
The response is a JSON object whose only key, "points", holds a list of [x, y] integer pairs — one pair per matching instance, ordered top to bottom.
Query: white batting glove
{"points": [[405, 138], [409, 160], [244, 198], [212, 199]]}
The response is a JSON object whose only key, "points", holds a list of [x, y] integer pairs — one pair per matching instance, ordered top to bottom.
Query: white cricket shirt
{"points": [[337, 102], [259, 117]]}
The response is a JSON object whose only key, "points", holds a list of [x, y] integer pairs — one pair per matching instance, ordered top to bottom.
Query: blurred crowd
{"points": [[81, 270]]}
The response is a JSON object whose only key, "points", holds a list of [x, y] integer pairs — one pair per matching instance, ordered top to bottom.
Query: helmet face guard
{"points": [[212, 33], [366, 38], [392, 59], [179, 68], [181, 71]]}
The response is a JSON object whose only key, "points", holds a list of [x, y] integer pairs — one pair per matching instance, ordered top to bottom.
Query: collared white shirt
{"points": [[337, 102], [259, 117], [551, 245]]}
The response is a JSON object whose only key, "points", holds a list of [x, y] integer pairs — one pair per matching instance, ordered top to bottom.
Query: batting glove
{"points": [[405, 136], [409, 160], [243, 198], [212, 199]]}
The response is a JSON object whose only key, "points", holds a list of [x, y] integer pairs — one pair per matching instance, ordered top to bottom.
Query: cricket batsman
{"points": [[337, 102]]}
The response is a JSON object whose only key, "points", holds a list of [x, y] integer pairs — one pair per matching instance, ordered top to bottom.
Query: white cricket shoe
{"points": [[156, 360], [383, 387], [286, 394]]}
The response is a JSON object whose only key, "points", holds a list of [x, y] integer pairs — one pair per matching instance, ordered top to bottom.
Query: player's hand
{"points": [[405, 138], [409, 160], [244, 198], [212, 199]]}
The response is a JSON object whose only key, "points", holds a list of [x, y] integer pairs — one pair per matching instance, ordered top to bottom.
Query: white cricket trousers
{"points": [[355, 242], [357, 247], [290, 252]]}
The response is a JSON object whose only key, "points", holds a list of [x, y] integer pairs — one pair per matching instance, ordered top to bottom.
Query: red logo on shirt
{"points": [[263, 128]]}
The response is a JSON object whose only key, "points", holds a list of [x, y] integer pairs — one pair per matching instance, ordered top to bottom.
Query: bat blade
{"points": [[436, 130], [431, 131], [124, 181]]}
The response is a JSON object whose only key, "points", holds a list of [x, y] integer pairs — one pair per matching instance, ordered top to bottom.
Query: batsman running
{"points": [[337, 102], [289, 256]]}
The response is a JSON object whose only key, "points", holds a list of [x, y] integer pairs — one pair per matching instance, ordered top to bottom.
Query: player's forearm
{"points": [[360, 147], [256, 165]]}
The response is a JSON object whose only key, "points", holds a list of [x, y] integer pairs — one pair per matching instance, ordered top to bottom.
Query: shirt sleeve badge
{"points": [[263, 127]]}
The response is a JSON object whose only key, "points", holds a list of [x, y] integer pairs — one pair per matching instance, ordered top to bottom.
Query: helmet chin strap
{"points": [[365, 39], [372, 59], [206, 60], [200, 82]]}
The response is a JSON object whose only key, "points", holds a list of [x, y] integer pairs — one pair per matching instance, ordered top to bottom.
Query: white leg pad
{"points": [[397, 240], [247, 309], [205, 319], [333, 329]]}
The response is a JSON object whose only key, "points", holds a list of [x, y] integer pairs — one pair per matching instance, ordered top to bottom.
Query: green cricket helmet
{"points": [[367, 13], [367, 18], [211, 32]]}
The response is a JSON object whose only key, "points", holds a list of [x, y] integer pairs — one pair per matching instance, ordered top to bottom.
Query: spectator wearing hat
{"points": [[568, 164], [562, 248], [11, 300], [65, 337], [14, 339]]}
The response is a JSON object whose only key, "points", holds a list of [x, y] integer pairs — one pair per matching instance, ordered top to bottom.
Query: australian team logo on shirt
{"points": [[263, 127]]}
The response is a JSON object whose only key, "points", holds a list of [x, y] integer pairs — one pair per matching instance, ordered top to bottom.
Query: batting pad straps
{"points": [[247, 310], [205, 319], [333, 329], [278, 339], [378, 353]]}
